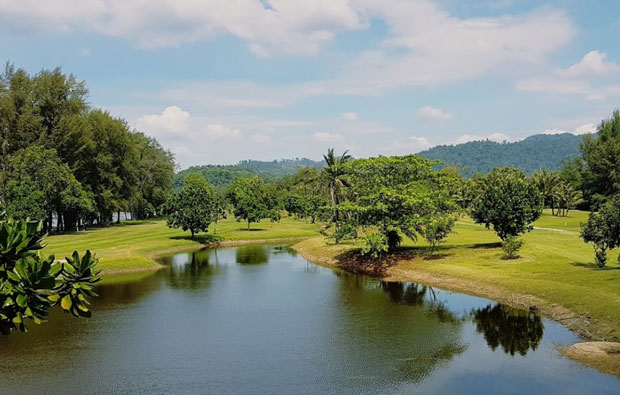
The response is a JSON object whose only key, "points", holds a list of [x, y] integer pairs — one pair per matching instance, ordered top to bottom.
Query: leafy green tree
{"points": [[602, 158], [115, 169], [34, 173], [153, 177], [395, 195], [252, 200], [509, 203], [193, 207], [438, 229], [603, 230], [30, 286]]}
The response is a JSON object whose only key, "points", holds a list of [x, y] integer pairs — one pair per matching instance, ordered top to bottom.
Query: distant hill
{"points": [[531, 154], [270, 171]]}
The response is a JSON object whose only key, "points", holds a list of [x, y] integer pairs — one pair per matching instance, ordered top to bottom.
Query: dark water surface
{"points": [[259, 319]]}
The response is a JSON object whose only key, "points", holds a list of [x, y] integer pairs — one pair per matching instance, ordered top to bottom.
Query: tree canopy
{"points": [[80, 164], [253, 200], [509, 203], [194, 207]]}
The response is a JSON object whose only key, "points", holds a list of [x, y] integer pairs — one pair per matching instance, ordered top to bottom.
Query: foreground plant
{"points": [[30, 286]]}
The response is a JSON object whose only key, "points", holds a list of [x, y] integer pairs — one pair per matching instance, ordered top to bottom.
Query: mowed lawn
{"points": [[132, 244], [556, 266]]}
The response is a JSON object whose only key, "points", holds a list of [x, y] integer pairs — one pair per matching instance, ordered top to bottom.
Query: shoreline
{"points": [[153, 256], [574, 322]]}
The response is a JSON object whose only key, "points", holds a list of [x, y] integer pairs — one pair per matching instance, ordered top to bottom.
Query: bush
{"points": [[376, 245], [511, 245], [30, 286]]}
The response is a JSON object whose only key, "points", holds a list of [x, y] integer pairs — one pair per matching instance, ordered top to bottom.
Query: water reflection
{"points": [[252, 255], [191, 270], [419, 295], [289, 327], [516, 331]]}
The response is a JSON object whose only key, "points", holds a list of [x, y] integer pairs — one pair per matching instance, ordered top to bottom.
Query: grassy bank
{"points": [[132, 245], [556, 272]]}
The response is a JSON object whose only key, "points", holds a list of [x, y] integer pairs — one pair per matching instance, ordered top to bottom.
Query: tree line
{"points": [[62, 159]]}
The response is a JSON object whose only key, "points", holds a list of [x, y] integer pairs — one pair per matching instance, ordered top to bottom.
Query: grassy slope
{"points": [[131, 245], [555, 267]]}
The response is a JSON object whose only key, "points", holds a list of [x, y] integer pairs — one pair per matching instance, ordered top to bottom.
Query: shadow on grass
{"points": [[251, 230], [200, 238], [476, 246], [352, 260], [593, 266]]}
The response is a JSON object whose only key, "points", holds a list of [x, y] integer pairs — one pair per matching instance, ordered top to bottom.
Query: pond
{"points": [[261, 319]]}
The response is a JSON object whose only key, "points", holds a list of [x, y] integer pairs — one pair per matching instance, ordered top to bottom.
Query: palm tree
{"points": [[334, 173], [547, 182], [567, 197]]}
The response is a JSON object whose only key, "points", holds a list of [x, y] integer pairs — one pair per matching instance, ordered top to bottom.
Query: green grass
{"points": [[132, 244], [555, 267]]}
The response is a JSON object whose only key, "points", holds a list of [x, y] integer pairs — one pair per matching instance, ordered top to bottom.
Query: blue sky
{"points": [[217, 81]]}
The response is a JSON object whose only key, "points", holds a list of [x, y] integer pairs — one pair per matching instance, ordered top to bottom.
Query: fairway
{"points": [[132, 245], [556, 271]]}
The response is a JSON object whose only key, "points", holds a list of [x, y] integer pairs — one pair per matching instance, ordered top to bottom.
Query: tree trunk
{"points": [[118, 218], [192, 236]]}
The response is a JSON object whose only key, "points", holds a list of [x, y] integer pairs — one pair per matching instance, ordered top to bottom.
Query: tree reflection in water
{"points": [[252, 255], [416, 295], [517, 331]]}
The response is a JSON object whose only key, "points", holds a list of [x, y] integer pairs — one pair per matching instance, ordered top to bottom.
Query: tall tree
{"points": [[602, 157], [334, 174], [547, 182], [193, 207]]}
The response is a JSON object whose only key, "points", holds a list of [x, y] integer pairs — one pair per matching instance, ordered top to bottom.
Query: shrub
{"points": [[376, 245], [511, 245], [30, 286]]}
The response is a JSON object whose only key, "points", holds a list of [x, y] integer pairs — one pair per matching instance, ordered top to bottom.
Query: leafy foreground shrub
{"points": [[376, 245], [511, 245], [30, 286]]}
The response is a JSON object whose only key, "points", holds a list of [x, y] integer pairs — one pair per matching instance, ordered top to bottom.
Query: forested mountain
{"points": [[533, 153], [270, 171]]}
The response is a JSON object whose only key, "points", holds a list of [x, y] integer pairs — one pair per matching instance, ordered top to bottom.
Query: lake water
{"points": [[261, 319]]}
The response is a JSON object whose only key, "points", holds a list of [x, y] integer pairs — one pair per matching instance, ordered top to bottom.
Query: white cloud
{"points": [[288, 26], [428, 46], [593, 63], [578, 79], [429, 113], [351, 116], [173, 119], [585, 129], [579, 130], [219, 132], [324, 137], [497, 137], [410, 145]]}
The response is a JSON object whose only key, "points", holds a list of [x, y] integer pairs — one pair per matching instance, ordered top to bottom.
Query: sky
{"points": [[218, 81]]}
